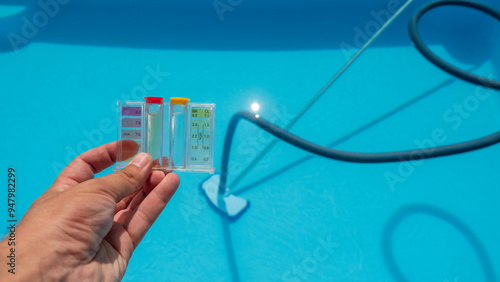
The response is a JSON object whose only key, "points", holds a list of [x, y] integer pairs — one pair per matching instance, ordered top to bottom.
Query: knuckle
{"points": [[130, 175]]}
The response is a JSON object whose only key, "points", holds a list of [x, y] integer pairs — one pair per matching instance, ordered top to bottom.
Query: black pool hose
{"points": [[440, 63], [400, 156]]}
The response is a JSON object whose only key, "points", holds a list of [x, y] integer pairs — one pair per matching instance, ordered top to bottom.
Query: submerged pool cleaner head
{"points": [[225, 203]]}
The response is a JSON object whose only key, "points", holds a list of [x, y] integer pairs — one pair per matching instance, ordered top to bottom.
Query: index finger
{"points": [[83, 167]]}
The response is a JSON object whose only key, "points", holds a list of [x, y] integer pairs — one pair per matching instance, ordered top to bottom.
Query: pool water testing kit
{"points": [[178, 135]]}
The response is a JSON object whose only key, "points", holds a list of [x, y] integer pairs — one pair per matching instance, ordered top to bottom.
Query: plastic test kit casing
{"points": [[178, 135]]}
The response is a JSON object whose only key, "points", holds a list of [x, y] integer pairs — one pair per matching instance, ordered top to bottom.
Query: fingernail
{"points": [[141, 160]]}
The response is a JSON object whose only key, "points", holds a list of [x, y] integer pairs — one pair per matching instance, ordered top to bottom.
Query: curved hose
{"points": [[437, 61], [408, 155], [346, 156]]}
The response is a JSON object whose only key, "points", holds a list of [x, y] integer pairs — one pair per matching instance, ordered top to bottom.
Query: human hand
{"points": [[86, 229]]}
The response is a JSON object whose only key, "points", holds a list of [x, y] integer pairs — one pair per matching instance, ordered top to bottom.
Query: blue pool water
{"points": [[310, 218]]}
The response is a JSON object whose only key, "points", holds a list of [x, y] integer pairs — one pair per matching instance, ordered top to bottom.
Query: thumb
{"points": [[126, 181]]}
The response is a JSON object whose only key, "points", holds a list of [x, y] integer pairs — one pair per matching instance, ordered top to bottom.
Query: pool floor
{"points": [[310, 218]]}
